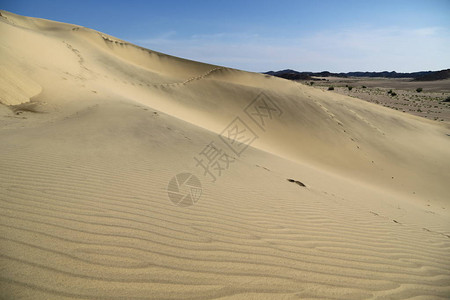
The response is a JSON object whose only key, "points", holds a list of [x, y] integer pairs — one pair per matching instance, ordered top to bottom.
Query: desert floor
{"points": [[428, 103]]}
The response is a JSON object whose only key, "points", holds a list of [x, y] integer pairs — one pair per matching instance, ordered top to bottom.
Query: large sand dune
{"points": [[93, 129]]}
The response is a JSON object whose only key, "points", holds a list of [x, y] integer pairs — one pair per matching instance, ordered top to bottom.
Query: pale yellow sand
{"points": [[92, 129]]}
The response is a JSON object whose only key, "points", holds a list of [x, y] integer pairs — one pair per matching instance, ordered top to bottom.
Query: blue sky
{"points": [[337, 36]]}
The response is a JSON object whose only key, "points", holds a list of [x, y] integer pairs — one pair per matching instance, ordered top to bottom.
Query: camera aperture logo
{"points": [[184, 189]]}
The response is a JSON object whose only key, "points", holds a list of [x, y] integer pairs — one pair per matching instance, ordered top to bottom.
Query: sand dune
{"points": [[93, 129]]}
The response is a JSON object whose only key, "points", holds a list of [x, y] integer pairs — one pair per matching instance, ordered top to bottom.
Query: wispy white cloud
{"points": [[428, 31], [225, 35], [161, 39], [363, 49], [383, 49]]}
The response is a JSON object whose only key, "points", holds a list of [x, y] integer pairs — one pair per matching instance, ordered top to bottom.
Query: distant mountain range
{"points": [[418, 76]]}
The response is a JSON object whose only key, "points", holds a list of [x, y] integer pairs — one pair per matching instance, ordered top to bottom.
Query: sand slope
{"points": [[93, 128]]}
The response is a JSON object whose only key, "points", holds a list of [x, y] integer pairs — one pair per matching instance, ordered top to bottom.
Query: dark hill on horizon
{"points": [[438, 75], [419, 76]]}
